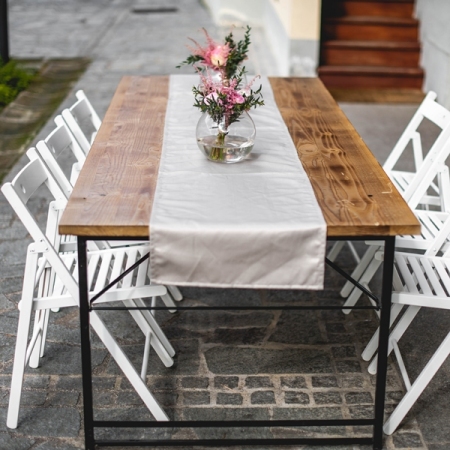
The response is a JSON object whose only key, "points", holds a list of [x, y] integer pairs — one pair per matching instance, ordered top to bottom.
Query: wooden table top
{"points": [[114, 193]]}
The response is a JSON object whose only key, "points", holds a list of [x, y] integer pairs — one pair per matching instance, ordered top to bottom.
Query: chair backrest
{"points": [[81, 96], [428, 109], [82, 120], [61, 138], [60, 142], [428, 170], [18, 193]]}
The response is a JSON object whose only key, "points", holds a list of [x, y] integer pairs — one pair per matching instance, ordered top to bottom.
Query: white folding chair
{"points": [[82, 120], [58, 141], [61, 141], [433, 165], [440, 196], [434, 237], [440, 243], [50, 281], [423, 281]]}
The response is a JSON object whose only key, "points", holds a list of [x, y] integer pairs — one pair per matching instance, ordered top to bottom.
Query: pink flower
{"points": [[214, 55], [219, 55], [247, 89], [236, 97]]}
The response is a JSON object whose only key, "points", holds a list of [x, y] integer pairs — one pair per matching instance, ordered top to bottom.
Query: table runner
{"points": [[254, 224]]}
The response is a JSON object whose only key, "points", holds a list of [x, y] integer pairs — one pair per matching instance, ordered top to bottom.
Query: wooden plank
{"points": [[377, 8], [370, 28], [373, 53], [371, 77], [114, 193], [356, 196]]}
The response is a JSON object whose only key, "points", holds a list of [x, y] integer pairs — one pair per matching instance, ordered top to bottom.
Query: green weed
{"points": [[13, 79]]}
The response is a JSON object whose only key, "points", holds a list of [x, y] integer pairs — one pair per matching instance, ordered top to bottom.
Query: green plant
{"points": [[13, 79]]}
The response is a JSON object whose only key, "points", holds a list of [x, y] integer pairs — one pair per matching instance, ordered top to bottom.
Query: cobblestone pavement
{"points": [[268, 364]]}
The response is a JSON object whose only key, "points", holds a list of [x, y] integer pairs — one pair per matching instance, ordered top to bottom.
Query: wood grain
{"points": [[114, 193], [356, 196]]}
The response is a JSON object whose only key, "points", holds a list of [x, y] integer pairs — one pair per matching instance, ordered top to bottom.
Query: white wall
{"points": [[226, 12], [434, 17], [291, 28], [276, 29]]}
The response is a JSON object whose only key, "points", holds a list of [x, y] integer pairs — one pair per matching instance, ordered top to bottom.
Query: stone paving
{"points": [[266, 364]]}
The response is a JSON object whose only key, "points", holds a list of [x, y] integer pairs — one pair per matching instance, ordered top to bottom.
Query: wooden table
{"points": [[114, 194]]}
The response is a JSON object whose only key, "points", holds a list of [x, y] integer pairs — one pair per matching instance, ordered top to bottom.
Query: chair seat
{"points": [[104, 266], [424, 275]]}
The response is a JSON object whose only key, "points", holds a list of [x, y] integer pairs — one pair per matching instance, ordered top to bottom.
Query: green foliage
{"points": [[238, 52], [190, 60], [13, 79]]}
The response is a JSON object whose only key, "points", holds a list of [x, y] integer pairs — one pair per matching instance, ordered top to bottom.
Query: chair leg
{"points": [[335, 250], [359, 270], [364, 280], [175, 293], [168, 301], [396, 309], [26, 310], [40, 324], [155, 327], [152, 329], [44, 331], [397, 333], [148, 342], [372, 346], [128, 369], [418, 386]]}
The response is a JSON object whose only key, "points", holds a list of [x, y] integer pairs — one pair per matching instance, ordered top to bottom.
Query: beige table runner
{"points": [[254, 224]]}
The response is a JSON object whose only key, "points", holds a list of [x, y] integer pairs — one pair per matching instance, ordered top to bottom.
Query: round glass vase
{"points": [[226, 145]]}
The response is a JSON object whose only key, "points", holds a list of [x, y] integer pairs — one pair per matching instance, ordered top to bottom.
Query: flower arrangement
{"points": [[224, 58], [226, 99], [225, 102]]}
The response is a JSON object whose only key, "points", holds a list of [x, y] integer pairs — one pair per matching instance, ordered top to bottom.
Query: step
{"points": [[394, 8], [370, 28], [373, 53], [371, 77]]}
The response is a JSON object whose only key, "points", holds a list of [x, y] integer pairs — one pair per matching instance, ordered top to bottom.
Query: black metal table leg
{"points": [[385, 315], [86, 366], [377, 421]]}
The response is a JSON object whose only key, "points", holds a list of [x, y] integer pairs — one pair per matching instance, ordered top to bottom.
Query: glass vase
{"points": [[216, 76], [223, 144]]}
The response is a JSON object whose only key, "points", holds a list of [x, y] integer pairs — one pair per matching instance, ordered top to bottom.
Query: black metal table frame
{"points": [[380, 387]]}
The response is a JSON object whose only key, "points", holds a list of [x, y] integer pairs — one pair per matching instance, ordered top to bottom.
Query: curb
{"points": [[22, 119]]}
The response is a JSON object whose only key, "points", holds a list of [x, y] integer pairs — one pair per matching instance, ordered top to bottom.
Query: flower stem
{"points": [[217, 153]]}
